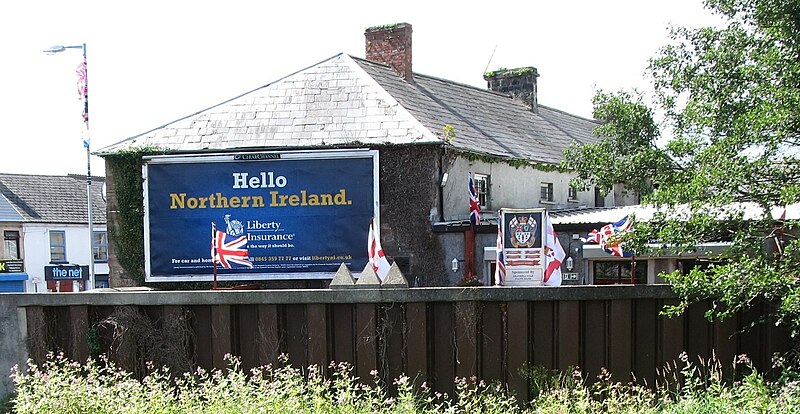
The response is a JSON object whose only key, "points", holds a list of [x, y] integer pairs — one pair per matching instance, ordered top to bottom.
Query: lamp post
{"points": [[83, 90]]}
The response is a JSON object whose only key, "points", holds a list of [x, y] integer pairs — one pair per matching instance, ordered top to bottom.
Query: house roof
{"points": [[347, 101], [53, 199]]}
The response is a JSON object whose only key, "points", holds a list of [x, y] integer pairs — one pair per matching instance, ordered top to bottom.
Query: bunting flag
{"points": [[83, 95], [474, 204], [608, 237], [228, 250], [553, 255], [376, 256], [500, 270]]}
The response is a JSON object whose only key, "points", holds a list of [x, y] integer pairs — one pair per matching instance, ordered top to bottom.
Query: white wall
{"points": [[510, 187], [36, 244]]}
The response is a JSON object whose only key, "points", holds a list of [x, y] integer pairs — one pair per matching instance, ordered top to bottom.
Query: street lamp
{"points": [[83, 89]]}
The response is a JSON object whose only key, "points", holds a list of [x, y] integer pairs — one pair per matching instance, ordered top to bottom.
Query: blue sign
{"points": [[279, 215], [71, 272]]}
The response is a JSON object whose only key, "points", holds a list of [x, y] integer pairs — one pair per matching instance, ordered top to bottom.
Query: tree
{"points": [[730, 98]]}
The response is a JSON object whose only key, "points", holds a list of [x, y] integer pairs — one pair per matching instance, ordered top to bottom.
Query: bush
{"points": [[63, 386]]}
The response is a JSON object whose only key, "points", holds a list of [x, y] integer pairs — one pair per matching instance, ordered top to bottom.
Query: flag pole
{"points": [[214, 252], [633, 269]]}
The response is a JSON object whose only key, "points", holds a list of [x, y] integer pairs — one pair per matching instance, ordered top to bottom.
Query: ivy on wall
{"points": [[514, 162], [409, 189], [127, 231]]}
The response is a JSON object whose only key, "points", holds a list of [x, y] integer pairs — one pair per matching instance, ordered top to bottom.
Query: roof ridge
{"points": [[473, 87], [571, 114]]}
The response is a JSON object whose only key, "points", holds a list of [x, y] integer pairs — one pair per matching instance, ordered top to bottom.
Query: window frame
{"points": [[482, 182], [546, 192], [572, 194], [9, 237], [63, 246], [97, 246], [622, 268]]}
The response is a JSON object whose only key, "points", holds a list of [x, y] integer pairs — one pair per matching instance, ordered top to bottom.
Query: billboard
{"points": [[297, 214], [522, 232]]}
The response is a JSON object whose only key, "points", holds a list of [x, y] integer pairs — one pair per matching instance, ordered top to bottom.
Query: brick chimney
{"points": [[391, 44], [520, 83]]}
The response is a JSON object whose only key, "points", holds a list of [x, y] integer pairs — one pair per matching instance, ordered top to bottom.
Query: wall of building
{"points": [[510, 187], [409, 191], [36, 243]]}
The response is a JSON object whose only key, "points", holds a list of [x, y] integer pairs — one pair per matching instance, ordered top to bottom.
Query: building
{"points": [[430, 133], [45, 227]]}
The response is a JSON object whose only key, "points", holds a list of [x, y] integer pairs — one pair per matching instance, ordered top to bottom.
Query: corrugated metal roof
{"points": [[53, 199], [605, 215]]}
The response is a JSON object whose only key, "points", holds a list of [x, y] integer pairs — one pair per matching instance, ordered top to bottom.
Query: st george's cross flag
{"points": [[553, 255], [376, 257]]}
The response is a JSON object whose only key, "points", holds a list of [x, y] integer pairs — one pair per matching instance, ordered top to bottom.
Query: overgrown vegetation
{"points": [[724, 163], [125, 168], [60, 385]]}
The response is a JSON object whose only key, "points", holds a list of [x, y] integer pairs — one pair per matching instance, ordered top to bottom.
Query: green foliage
{"points": [[508, 72], [729, 96], [449, 133], [627, 154], [516, 163], [125, 168], [63, 386]]}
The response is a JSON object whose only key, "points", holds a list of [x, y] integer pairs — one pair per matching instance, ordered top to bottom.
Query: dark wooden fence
{"points": [[431, 334]]}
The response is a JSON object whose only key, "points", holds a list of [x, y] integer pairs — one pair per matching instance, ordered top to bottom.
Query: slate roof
{"points": [[347, 101], [484, 121], [53, 199]]}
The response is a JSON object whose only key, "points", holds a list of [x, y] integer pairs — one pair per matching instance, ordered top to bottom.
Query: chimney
{"points": [[391, 44], [520, 83]]}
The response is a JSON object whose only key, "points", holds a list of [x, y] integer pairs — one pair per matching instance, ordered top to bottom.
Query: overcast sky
{"points": [[150, 63]]}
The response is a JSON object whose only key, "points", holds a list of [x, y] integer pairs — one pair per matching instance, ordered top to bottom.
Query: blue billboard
{"points": [[265, 215]]}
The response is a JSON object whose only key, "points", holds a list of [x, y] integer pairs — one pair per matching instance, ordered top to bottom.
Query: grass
{"points": [[63, 386]]}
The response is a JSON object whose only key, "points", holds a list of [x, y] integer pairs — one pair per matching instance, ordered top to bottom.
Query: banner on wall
{"points": [[301, 213], [521, 234]]}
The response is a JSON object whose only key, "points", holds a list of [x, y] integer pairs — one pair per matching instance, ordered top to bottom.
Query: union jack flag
{"points": [[474, 204], [608, 237], [227, 250], [500, 270]]}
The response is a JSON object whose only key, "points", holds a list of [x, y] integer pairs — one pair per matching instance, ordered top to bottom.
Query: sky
{"points": [[152, 62]]}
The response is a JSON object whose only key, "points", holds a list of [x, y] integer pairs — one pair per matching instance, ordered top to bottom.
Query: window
{"points": [[482, 187], [546, 192], [573, 194], [599, 200], [10, 244], [58, 246], [100, 246], [686, 265], [619, 272]]}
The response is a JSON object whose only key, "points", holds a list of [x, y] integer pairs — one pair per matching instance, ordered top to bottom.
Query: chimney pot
{"points": [[391, 44]]}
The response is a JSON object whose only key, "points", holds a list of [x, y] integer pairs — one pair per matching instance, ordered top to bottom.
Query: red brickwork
{"points": [[391, 44]]}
